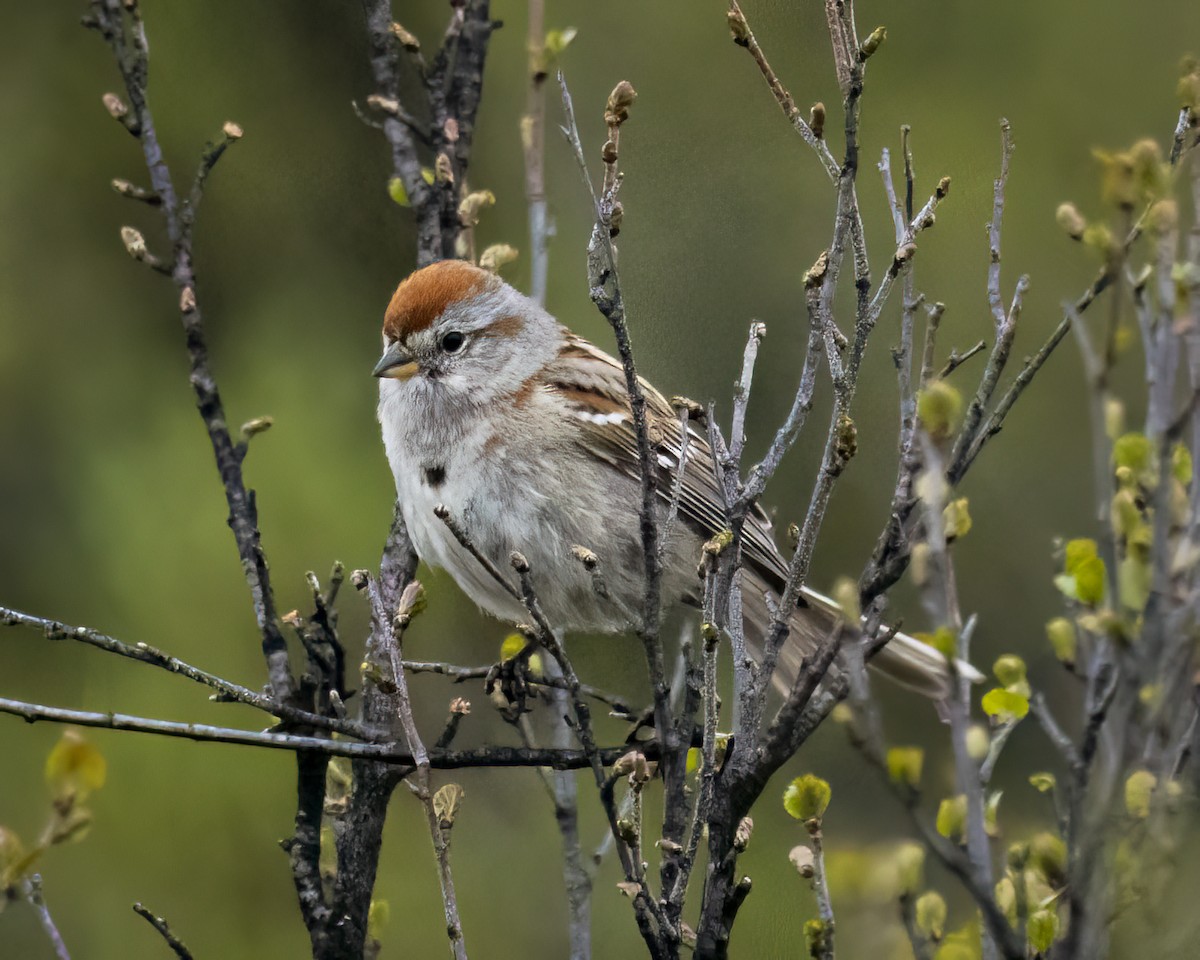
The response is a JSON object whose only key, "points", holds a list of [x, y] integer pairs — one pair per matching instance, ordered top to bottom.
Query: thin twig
{"points": [[744, 37], [533, 142], [143, 653], [459, 674], [32, 890], [159, 924]]}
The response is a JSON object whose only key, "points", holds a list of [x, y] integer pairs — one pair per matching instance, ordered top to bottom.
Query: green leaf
{"points": [[558, 40], [397, 192], [940, 407], [1133, 450], [1181, 464], [956, 519], [1077, 552], [1083, 573], [1089, 581], [1133, 581], [845, 594], [1061, 634], [942, 640], [513, 644], [1009, 670], [1004, 705], [904, 765], [74, 769], [1043, 782], [1139, 790], [807, 797], [991, 812], [952, 817], [12, 853], [1048, 856], [910, 866], [1006, 899], [930, 913], [378, 916], [1041, 929], [814, 938]]}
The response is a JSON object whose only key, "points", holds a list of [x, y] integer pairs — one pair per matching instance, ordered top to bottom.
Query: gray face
{"points": [[478, 349]]}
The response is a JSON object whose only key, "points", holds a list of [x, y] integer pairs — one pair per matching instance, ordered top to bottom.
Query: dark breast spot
{"points": [[434, 476]]}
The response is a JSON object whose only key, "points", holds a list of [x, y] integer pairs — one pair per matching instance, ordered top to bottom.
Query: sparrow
{"points": [[493, 411]]}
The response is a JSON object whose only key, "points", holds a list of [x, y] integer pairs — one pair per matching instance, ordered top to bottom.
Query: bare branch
{"points": [[159, 924]]}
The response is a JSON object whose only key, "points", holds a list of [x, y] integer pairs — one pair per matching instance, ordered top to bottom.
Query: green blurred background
{"points": [[110, 509]]}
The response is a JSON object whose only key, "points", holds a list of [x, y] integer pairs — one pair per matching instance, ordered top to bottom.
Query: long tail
{"points": [[905, 660]]}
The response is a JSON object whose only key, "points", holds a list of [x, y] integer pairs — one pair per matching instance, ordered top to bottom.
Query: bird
{"points": [[496, 414]]}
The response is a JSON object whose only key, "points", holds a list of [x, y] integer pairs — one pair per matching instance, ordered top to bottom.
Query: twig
{"points": [[744, 37], [126, 39], [533, 142], [956, 359], [464, 538], [143, 653], [459, 674], [1056, 735], [492, 756], [820, 884], [32, 891], [159, 924]]}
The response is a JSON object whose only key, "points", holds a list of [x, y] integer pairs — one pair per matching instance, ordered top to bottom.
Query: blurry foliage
{"points": [[75, 769]]}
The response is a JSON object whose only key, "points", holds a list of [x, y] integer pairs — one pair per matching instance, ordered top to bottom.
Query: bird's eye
{"points": [[453, 341]]}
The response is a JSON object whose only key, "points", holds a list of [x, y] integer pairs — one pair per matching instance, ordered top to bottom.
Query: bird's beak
{"points": [[396, 363]]}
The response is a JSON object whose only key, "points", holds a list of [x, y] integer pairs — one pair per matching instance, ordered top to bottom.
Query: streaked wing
{"points": [[592, 386]]}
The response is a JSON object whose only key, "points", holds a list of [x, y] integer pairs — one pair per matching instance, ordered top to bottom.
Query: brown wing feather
{"points": [[599, 386], [595, 389]]}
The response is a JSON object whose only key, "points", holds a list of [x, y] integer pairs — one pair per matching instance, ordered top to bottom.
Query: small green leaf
{"points": [[558, 40], [397, 192], [940, 408], [1133, 450], [1181, 464], [956, 518], [1076, 552], [1089, 581], [1133, 581], [845, 595], [1061, 634], [942, 640], [513, 645], [1009, 670], [1004, 705], [979, 742], [694, 757], [904, 765], [74, 769], [1042, 782], [1139, 789], [807, 797], [991, 813], [952, 817], [12, 853], [1048, 856], [910, 866], [1006, 899], [930, 913], [378, 916], [1041, 930], [814, 938]]}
